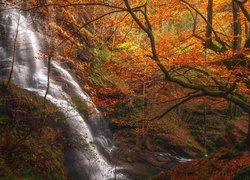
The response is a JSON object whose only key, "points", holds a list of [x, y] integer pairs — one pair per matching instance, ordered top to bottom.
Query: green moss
{"points": [[130, 46], [102, 54], [100, 74], [82, 106], [3, 119], [132, 135], [160, 141], [30, 146], [241, 146], [228, 155], [29, 174], [243, 174]]}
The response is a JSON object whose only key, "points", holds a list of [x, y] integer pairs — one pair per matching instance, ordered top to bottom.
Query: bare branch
{"points": [[243, 9], [86, 24], [217, 38], [177, 105]]}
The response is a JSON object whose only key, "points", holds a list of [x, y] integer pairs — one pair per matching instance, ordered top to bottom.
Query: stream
{"points": [[90, 158]]}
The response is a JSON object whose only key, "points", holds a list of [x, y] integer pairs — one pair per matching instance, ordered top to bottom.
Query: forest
{"points": [[124, 89]]}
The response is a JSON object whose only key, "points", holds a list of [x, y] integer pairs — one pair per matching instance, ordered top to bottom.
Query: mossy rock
{"points": [[38, 130], [228, 155], [243, 174]]}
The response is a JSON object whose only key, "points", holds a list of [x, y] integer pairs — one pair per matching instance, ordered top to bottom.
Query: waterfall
{"points": [[89, 159]]}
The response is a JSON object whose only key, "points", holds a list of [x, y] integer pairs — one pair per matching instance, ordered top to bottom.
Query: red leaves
{"points": [[210, 168]]}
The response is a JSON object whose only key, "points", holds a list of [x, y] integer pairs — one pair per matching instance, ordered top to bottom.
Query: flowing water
{"points": [[89, 158]]}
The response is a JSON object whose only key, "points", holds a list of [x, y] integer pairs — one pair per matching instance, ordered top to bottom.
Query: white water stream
{"points": [[30, 72], [89, 159]]}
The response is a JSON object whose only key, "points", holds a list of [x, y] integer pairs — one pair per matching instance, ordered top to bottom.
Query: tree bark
{"points": [[243, 9], [210, 20], [236, 26], [247, 35], [216, 36], [14, 52], [48, 81], [204, 91], [227, 93], [205, 127], [247, 140]]}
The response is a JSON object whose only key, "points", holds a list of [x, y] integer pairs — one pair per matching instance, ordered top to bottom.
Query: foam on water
{"points": [[30, 72]]}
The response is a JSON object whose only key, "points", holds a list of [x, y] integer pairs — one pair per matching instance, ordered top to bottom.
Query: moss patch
{"points": [[30, 143]]}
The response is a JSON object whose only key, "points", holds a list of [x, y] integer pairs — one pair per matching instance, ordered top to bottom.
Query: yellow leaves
{"points": [[70, 15], [64, 34], [129, 46], [128, 65]]}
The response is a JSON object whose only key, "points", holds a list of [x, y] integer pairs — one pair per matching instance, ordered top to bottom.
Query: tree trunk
{"points": [[210, 21], [236, 26], [247, 35], [14, 52], [48, 82], [205, 127], [247, 140]]}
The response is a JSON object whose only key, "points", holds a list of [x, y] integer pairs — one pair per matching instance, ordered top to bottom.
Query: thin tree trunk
{"points": [[243, 9], [210, 21], [236, 26], [247, 35], [14, 51], [48, 81], [143, 111], [205, 127], [247, 140]]}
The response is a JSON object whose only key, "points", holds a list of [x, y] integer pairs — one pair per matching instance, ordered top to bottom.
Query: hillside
{"points": [[124, 89], [31, 144], [229, 162], [226, 163]]}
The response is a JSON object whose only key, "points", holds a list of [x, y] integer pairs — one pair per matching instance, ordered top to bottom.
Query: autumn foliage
{"points": [[134, 54]]}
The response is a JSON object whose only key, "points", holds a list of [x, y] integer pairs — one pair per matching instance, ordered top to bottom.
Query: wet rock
{"points": [[162, 159], [130, 160]]}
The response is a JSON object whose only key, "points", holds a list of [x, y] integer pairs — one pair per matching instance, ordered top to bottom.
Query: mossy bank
{"points": [[30, 136]]}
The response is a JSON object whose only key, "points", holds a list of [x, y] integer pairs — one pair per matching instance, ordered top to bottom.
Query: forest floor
{"points": [[24, 120], [139, 162], [229, 162], [226, 163]]}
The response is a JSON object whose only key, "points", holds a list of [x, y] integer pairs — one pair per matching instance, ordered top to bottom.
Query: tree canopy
{"points": [[201, 46]]}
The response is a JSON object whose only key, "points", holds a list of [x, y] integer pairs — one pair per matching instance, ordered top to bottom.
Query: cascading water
{"points": [[30, 72]]}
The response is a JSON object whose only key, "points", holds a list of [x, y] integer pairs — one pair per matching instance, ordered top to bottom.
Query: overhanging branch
{"points": [[178, 104]]}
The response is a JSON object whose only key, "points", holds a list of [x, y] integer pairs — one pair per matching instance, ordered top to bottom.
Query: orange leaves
{"points": [[124, 53], [193, 58], [106, 97], [107, 102], [120, 122], [146, 127], [50, 134], [212, 168]]}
